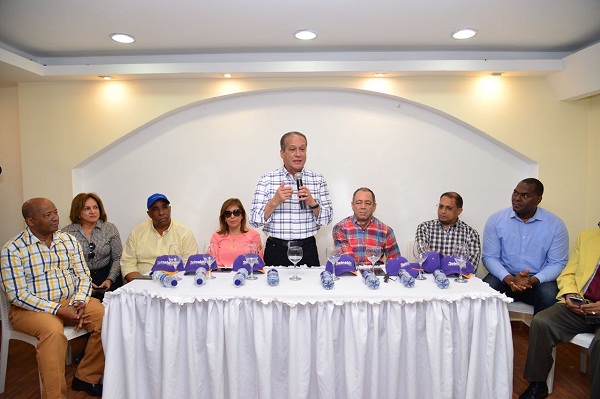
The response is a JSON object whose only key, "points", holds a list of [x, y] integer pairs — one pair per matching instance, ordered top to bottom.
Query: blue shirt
{"points": [[510, 245]]}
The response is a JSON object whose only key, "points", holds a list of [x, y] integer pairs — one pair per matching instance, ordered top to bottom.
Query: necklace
{"points": [[233, 240]]}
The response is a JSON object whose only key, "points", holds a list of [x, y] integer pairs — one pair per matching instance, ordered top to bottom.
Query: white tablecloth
{"points": [[298, 340]]}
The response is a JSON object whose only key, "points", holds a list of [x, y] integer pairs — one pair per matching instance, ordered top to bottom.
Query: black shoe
{"points": [[91, 389], [535, 390]]}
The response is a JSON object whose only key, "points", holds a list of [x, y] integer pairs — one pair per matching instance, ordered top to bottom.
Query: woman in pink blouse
{"points": [[233, 235]]}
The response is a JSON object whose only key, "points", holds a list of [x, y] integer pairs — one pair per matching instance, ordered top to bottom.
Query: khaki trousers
{"points": [[52, 346]]}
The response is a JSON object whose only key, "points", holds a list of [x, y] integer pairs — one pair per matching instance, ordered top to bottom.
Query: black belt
{"points": [[284, 243]]}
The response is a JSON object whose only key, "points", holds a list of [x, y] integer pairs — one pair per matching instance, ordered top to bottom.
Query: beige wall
{"points": [[63, 124], [593, 163], [11, 186]]}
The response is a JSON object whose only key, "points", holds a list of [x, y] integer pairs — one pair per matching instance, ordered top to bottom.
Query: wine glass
{"points": [[210, 251], [420, 253], [294, 254], [373, 254], [333, 255], [174, 256], [460, 256], [252, 259]]}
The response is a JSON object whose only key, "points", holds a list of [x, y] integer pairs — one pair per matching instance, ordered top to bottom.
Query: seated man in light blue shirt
{"points": [[525, 248]]}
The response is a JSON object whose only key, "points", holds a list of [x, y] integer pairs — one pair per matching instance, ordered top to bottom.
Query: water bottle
{"points": [[200, 276], [240, 277], [273, 277], [327, 279], [406, 279], [440, 279], [166, 280], [371, 280]]}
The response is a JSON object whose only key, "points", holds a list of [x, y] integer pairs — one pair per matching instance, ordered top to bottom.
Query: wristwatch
{"points": [[315, 206]]}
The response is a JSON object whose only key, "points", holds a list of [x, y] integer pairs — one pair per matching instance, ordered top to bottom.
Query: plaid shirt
{"points": [[288, 221], [433, 234], [354, 240], [37, 277]]}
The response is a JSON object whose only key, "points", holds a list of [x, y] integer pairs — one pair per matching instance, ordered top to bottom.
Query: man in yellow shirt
{"points": [[153, 237], [577, 312]]}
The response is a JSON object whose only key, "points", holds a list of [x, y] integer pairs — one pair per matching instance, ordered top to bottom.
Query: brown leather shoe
{"points": [[91, 389], [535, 390]]}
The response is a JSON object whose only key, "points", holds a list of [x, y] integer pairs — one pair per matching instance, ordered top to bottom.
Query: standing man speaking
{"points": [[291, 203]]}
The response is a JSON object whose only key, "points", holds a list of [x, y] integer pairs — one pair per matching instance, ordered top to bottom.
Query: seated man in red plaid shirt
{"points": [[362, 230]]}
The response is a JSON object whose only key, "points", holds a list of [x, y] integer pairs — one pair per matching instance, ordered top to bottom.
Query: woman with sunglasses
{"points": [[233, 234], [100, 241]]}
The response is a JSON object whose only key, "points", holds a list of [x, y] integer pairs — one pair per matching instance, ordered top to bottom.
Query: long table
{"points": [[298, 340]]}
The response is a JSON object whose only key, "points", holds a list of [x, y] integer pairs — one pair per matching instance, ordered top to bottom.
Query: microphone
{"points": [[298, 176]]}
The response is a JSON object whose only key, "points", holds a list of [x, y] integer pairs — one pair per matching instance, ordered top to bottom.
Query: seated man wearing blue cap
{"points": [[153, 237]]}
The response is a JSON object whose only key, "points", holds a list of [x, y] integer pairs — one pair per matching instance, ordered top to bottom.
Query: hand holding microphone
{"points": [[298, 176]]}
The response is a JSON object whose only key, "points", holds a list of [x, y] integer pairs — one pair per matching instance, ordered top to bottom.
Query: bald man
{"points": [[46, 280]]}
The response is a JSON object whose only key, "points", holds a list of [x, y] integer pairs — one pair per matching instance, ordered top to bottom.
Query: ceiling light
{"points": [[466, 33], [305, 34], [122, 38], [379, 74], [226, 75], [106, 77]]}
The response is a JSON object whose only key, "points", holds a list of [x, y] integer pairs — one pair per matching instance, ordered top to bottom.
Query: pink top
{"points": [[231, 246]]}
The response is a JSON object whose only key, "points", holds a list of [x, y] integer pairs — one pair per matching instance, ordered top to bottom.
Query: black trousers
{"points": [[276, 252], [98, 277], [541, 297], [551, 326]]}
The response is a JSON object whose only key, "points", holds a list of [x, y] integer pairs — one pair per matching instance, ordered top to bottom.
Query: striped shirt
{"points": [[288, 221], [434, 235], [354, 240], [107, 243], [37, 277]]}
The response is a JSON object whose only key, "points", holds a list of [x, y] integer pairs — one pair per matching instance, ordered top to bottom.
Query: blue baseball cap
{"points": [[155, 197], [240, 263], [344, 265]]}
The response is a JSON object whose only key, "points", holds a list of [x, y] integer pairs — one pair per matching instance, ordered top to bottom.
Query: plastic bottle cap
{"points": [[174, 283]]}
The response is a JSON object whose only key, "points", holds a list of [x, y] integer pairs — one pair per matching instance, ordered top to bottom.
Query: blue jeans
{"points": [[541, 296]]}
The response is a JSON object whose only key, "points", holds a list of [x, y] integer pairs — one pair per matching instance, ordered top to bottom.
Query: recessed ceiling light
{"points": [[466, 33], [305, 34], [122, 38], [379, 74], [226, 75], [106, 77]]}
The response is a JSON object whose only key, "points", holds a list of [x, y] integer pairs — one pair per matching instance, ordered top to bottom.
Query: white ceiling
{"points": [[69, 39]]}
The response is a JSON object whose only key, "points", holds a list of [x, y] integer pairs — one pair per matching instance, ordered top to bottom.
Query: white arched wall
{"points": [[211, 150]]}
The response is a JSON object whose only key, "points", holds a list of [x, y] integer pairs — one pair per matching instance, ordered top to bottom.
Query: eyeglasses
{"points": [[447, 208], [235, 212], [92, 254], [387, 278]]}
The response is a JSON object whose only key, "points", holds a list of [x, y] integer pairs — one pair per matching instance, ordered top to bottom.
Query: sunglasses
{"points": [[235, 212], [92, 254], [387, 278]]}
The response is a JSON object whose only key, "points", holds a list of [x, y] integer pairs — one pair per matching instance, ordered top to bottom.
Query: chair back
{"points": [[410, 255], [4, 307]]}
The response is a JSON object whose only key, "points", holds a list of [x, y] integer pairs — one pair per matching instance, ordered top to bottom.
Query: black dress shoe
{"points": [[91, 389], [535, 390]]}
